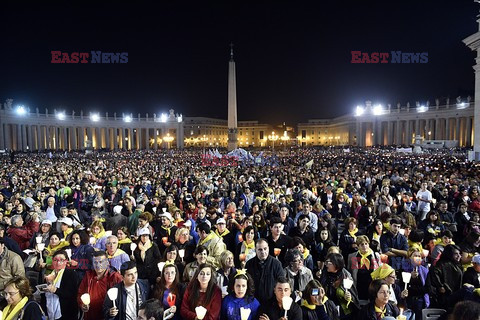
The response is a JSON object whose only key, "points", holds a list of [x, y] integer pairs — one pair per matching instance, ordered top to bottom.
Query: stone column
{"points": [[457, 130], [357, 132], [469, 132], [390, 133], [398, 133], [8, 137], [19, 137], [24, 137], [81, 138], [115, 138], [121, 138], [139, 138], [130, 139], [147, 139], [31, 144], [155, 145]]}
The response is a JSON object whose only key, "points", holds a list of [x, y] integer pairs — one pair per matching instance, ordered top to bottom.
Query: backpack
{"points": [[44, 317]]}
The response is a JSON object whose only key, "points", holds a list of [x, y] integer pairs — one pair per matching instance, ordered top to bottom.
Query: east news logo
{"points": [[89, 57], [389, 57]]}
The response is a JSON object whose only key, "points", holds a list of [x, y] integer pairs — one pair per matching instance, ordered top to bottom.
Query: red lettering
{"points": [[55, 56], [84, 56], [384, 56], [65, 57], [75, 57], [356, 57], [365, 58], [375, 58]]}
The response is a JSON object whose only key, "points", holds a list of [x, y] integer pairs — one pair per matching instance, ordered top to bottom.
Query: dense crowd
{"points": [[353, 234]]}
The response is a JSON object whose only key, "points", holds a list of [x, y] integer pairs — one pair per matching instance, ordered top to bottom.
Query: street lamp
{"points": [[273, 137], [168, 138], [285, 138], [204, 139]]}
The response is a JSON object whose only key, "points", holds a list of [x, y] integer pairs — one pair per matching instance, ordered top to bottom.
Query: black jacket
{"points": [[264, 276], [273, 311], [368, 312]]}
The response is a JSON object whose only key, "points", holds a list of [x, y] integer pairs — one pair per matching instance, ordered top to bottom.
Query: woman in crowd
{"points": [[432, 225], [44, 232], [98, 234], [374, 234], [348, 238], [124, 241], [184, 241], [324, 242], [54, 245], [300, 245], [245, 250], [201, 254], [172, 255], [146, 256], [81, 259], [361, 264], [226, 270], [297, 274], [446, 275], [332, 280], [241, 288], [169, 290], [202, 291], [61, 293], [418, 298], [20, 302], [316, 305], [380, 305]]}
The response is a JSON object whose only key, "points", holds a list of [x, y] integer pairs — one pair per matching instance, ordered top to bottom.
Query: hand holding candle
{"points": [[38, 239], [165, 240], [133, 246], [276, 252], [406, 276], [347, 284], [112, 295], [85, 299], [171, 299], [286, 304], [201, 312], [244, 313]]}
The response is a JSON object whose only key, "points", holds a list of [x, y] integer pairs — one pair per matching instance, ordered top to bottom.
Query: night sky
{"points": [[292, 57]]}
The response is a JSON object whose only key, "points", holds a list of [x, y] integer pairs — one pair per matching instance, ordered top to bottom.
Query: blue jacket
{"points": [[121, 301], [231, 307]]}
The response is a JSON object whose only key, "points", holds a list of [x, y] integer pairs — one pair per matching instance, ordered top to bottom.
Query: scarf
{"points": [[386, 225], [168, 229], [67, 232], [224, 233], [352, 233], [99, 235], [376, 236], [208, 238], [126, 240], [440, 241], [417, 245], [143, 247], [248, 247], [50, 250], [306, 253], [115, 254], [364, 261], [381, 273], [312, 306], [380, 312], [10, 314]]}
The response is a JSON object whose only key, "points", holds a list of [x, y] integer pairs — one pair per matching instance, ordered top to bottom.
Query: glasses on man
{"points": [[59, 260]]}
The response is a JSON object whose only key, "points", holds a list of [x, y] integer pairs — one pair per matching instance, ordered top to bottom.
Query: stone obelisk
{"points": [[473, 42], [232, 104]]}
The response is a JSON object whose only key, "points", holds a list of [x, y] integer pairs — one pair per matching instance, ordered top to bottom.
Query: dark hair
{"points": [[350, 220], [395, 220], [274, 221], [204, 227], [124, 230], [247, 230], [447, 233], [56, 234], [416, 235], [329, 237], [84, 239], [296, 241], [170, 249], [200, 249], [58, 252], [99, 253], [291, 254], [447, 254], [337, 260], [127, 265], [282, 280], [160, 286], [374, 287], [194, 288], [307, 292], [249, 294], [153, 309], [466, 310]]}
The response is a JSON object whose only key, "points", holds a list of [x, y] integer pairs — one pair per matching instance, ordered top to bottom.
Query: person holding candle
{"points": [[165, 231], [44, 232], [374, 233], [183, 240], [278, 240], [245, 250], [201, 254], [147, 255], [172, 255], [81, 259], [227, 268], [298, 275], [333, 282], [96, 283], [241, 288], [169, 290], [202, 291], [131, 293], [60, 295], [418, 298], [315, 303], [21, 304], [380, 306], [274, 308]]}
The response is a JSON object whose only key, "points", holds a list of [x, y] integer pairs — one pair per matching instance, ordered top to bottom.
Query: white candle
{"points": [[39, 239], [112, 294], [85, 299], [201, 312], [244, 313]]}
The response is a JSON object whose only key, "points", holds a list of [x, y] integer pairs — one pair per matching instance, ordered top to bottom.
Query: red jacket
{"points": [[22, 235], [97, 290], [213, 309]]}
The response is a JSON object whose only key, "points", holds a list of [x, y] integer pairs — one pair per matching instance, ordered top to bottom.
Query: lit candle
{"points": [[165, 240], [171, 299]]}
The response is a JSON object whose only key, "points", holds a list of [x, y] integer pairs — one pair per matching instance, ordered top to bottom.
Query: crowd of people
{"points": [[363, 233]]}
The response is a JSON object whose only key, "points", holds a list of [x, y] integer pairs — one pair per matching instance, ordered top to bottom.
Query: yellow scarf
{"points": [[386, 225], [168, 229], [67, 232], [224, 233], [352, 233], [99, 235], [376, 236], [208, 238], [126, 240], [439, 241], [417, 245], [248, 247], [143, 248], [50, 250], [306, 253], [115, 254], [364, 261], [382, 272], [58, 276], [312, 306], [382, 312], [10, 314]]}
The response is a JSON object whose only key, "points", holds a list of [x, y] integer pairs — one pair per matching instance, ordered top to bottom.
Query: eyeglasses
{"points": [[60, 260], [328, 262], [6, 294]]}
